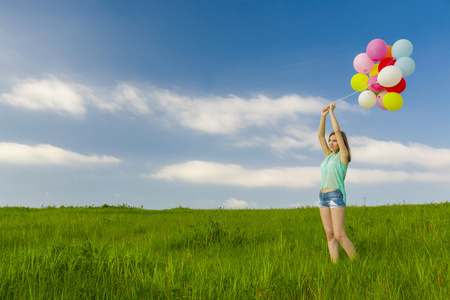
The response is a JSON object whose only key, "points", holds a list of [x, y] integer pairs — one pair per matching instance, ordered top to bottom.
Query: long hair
{"points": [[344, 137]]}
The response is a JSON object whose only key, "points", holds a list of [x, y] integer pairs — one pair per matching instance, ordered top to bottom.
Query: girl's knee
{"points": [[330, 235], [340, 236]]}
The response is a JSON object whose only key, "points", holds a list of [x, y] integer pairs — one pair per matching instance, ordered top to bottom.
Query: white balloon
{"points": [[389, 76], [367, 99]]}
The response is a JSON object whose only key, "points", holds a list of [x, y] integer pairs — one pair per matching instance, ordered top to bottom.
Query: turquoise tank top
{"points": [[333, 174]]}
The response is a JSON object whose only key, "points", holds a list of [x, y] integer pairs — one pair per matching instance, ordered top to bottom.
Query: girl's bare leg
{"points": [[338, 223], [333, 246]]}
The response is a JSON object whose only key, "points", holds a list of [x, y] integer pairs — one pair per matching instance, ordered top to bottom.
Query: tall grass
{"points": [[128, 253]]}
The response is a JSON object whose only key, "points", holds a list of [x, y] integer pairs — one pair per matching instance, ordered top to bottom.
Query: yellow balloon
{"points": [[374, 70], [359, 82], [392, 101]]}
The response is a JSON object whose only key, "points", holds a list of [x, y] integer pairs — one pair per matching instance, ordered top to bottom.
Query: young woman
{"points": [[332, 192]]}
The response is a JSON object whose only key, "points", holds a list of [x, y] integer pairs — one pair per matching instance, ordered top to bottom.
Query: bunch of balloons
{"points": [[387, 68]]}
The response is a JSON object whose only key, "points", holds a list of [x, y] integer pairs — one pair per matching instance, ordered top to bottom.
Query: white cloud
{"points": [[46, 94], [65, 97], [212, 114], [227, 115], [364, 149], [367, 150], [44, 154], [204, 172], [371, 176], [234, 203]]}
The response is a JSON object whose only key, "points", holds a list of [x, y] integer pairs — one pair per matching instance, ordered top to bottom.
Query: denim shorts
{"points": [[331, 199]]}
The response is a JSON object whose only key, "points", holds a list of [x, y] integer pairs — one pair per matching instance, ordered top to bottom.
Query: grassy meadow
{"points": [[120, 252]]}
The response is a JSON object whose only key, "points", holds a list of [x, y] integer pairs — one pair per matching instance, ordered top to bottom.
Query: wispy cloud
{"points": [[122, 97], [44, 154]]}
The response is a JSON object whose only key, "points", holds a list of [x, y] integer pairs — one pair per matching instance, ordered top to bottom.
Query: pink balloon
{"points": [[377, 49], [362, 63], [373, 84], [380, 100]]}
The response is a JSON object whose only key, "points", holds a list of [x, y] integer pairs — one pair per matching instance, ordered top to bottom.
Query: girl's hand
{"points": [[332, 106], [325, 111]]}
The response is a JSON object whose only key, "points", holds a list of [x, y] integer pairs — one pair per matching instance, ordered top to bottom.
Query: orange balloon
{"points": [[389, 53]]}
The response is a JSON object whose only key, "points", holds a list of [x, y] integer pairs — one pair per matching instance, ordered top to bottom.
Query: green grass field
{"points": [[128, 253]]}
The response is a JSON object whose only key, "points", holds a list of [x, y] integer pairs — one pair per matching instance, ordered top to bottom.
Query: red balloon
{"points": [[388, 61], [400, 87]]}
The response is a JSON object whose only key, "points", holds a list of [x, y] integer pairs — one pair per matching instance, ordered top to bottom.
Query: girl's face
{"points": [[332, 143]]}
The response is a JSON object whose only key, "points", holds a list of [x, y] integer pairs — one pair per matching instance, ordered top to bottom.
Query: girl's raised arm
{"points": [[321, 132], [343, 151]]}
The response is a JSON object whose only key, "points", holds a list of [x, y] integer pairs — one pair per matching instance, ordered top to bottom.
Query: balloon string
{"points": [[358, 91]]}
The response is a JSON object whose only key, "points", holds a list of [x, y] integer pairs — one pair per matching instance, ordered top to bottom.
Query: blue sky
{"points": [[209, 104]]}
